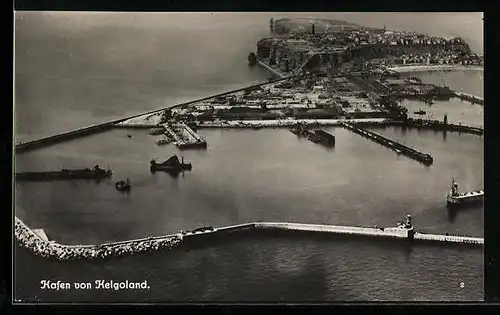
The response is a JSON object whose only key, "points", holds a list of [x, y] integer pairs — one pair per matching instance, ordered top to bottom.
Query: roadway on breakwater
{"points": [[84, 131], [41, 245]]}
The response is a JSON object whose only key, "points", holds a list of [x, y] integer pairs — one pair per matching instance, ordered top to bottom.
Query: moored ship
{"points": [[171, 165], [64, 174], [456, 199]]}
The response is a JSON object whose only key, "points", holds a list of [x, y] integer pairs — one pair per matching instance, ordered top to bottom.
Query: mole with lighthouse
{"points": [[455, 198]]}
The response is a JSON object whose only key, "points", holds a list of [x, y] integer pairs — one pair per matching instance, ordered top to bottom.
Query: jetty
{"points": [[474, 99], [437, 125], [183, 136], [399, 148], [96, 173], [39, 243]]}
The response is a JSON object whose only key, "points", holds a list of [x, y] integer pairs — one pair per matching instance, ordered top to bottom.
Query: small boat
{"points": [[421, 112], [156, 131], [129, 136], [163, 141], [398, 151], [172, 164], [123, 185]]}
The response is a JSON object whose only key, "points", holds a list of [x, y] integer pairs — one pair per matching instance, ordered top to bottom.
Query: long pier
{"points": [[474, 99], [440, 126], [85, 131], [391, 144], [39, 243]]}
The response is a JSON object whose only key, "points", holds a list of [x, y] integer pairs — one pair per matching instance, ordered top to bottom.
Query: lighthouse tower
{"points": [[409, 227]]}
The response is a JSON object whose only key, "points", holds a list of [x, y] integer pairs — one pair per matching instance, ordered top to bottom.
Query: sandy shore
{"points": [[425, 68]]}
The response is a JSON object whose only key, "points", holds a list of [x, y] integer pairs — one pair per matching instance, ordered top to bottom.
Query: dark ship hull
{"points": [[325, 138], [172, 165], [64, 175], [455, 199], [452, 203]]}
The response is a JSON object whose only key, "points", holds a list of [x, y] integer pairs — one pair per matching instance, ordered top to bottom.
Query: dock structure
{"points": [[474, 99], [184, 137], [399, 148]]}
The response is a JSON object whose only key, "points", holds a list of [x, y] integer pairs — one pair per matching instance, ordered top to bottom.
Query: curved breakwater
{"points": [[31, 240], [45, 248]]}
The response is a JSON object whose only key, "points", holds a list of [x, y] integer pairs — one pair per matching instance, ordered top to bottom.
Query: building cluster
{"points": [[298, 51], [319, 98], [28, 239]]}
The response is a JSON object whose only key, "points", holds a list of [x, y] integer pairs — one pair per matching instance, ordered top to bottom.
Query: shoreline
{"points": [[431, 68]]}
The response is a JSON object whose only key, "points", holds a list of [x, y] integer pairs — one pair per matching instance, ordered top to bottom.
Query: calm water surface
{"points": [[78, 69]]}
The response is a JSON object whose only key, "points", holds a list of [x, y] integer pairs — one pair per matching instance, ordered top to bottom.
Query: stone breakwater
{"points": [[27, 238]]}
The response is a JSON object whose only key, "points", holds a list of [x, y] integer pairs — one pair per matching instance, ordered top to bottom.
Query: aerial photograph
{"points": [[251, 157]]}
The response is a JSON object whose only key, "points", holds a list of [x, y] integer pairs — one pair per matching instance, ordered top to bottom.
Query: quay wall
{"points": [[282, 123], [85, 131]]}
